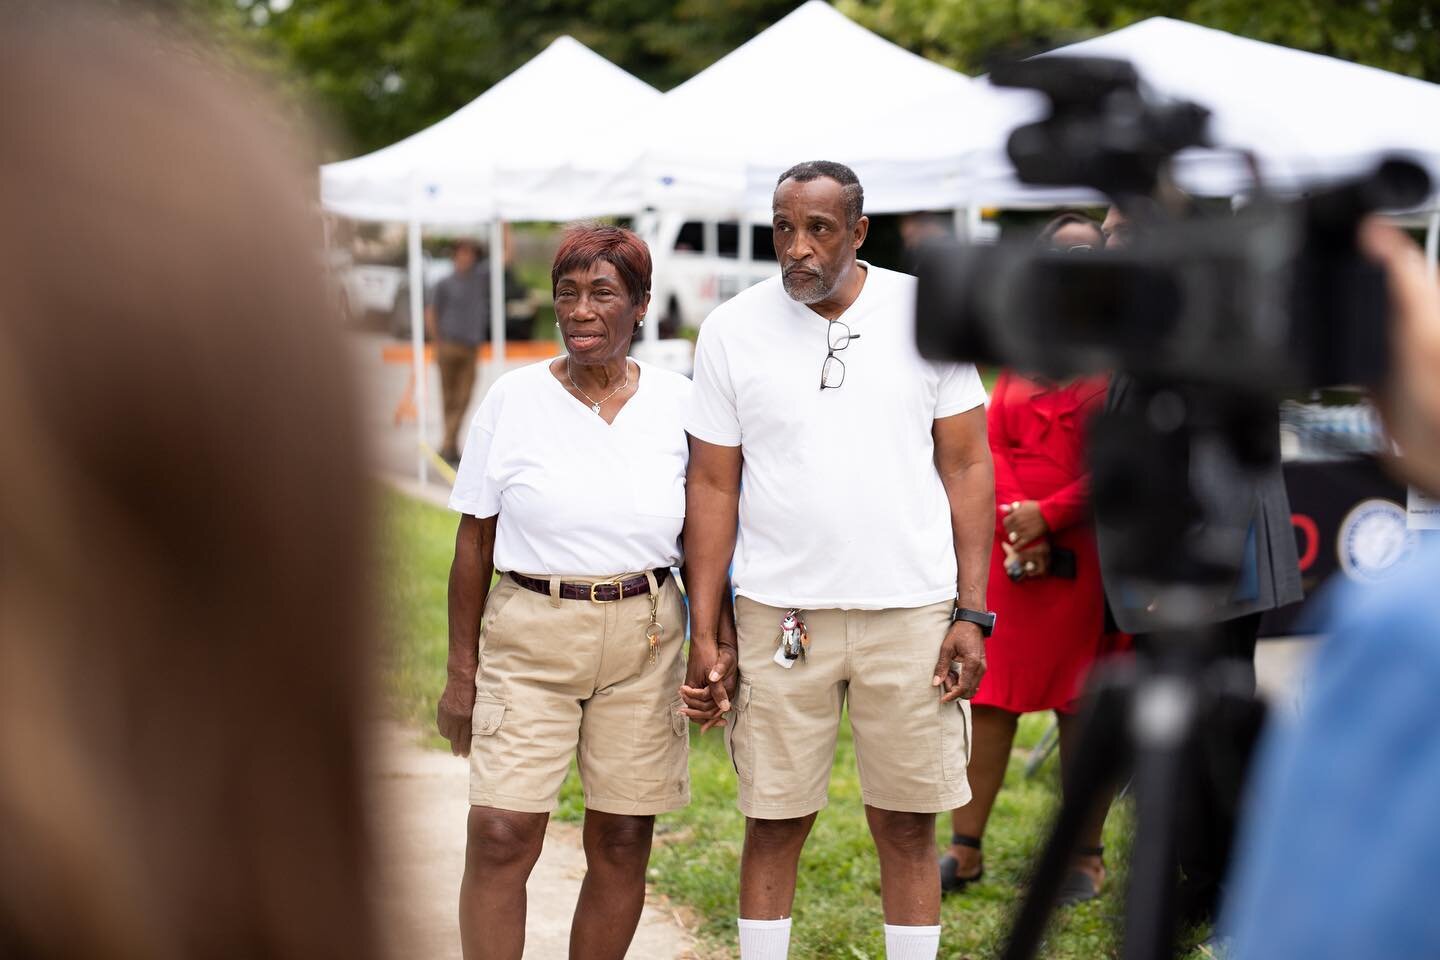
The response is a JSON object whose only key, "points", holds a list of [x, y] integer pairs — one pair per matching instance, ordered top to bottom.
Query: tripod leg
{"points": [[1164, 722], [1097, 761]]}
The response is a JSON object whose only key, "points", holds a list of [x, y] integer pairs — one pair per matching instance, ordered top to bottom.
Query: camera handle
{"points": [[1144, 716]]}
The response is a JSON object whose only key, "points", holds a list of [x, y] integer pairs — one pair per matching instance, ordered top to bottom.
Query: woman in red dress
{"points": [[1044, 588]]}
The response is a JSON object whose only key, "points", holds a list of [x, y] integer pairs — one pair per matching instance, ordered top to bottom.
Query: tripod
{"points": [[1146, 716]]}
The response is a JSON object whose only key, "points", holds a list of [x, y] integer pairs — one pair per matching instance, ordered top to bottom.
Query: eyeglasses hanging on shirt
{"points": [[838, 337]]}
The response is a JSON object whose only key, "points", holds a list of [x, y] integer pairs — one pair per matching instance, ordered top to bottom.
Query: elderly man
{"points": [[851, 480]]}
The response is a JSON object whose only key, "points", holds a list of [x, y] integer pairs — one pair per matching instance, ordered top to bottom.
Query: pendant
{"points": [[595, 409]]}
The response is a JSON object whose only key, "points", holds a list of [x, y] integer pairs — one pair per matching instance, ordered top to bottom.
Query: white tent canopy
{"points": [[1308, 117], [721, 138], [532, 147]]}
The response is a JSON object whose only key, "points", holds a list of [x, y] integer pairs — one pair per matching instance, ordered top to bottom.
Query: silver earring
{"points": [[641, 323]]}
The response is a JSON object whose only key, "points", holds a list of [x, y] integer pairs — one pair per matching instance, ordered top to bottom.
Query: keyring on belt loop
{"points": [[654, 595], [653, 632]]}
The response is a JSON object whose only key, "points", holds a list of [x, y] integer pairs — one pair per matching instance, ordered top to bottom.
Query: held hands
{"points": [[1023, 522], [961, 663], [711, 676], [452, 714]]}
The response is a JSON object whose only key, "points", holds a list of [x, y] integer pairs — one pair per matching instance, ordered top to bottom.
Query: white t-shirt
{"points": [[577, 496], [840, 502]]}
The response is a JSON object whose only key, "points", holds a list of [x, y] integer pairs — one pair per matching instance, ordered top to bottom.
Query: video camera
{"points": [[1276, 293], [1215, 317], [1205, 321]]}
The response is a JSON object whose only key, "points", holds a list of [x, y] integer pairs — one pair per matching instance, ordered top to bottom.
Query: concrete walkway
{"points": [[420, 802]]}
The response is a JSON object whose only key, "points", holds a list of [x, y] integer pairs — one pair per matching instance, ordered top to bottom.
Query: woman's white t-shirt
{"points": [[575, 495]]}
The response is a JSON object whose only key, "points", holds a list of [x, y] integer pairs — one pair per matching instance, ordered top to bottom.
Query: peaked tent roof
{"points": [[814, 86], [1309, 117], [507, 152]]}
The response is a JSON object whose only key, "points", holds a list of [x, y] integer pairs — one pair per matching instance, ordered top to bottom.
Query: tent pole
{"points": [[1432, 242], [497, 298], [650, 333], [417, 347]]}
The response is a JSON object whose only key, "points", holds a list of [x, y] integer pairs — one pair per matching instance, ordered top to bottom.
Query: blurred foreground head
{"points": [[182, 658]]}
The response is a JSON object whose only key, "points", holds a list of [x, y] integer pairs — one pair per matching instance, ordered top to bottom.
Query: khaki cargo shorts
{"points": [[557, 676], [911, 749]]}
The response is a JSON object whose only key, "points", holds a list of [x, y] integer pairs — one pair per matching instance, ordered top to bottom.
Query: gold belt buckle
{"points": [[616, 583]]}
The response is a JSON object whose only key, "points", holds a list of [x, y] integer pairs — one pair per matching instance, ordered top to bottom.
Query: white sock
{"points": [[769, 939], [911, 943]]}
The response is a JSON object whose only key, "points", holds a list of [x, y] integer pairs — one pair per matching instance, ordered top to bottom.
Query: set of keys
{"points": [[654, 631], [794, 640]]}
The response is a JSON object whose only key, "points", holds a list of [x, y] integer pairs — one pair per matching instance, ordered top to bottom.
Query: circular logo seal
{"points": [[1373, 540]]}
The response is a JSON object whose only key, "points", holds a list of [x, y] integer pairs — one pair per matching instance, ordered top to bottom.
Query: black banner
{"points": [[1348, 517]]}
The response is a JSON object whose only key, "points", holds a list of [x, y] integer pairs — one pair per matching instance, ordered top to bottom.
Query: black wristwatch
{"points": [[985, 621]]}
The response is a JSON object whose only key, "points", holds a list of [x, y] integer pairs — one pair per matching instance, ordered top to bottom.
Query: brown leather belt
{"points": [[605, 591]]}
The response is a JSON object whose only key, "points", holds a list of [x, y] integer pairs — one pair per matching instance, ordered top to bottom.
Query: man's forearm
{"points": [[711, 519], [972, 520]]}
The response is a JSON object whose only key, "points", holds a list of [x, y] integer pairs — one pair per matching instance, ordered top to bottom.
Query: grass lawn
{"points": [[697, 855]]}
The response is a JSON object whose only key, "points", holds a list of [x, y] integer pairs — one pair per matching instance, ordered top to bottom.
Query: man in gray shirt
{"points": [[458, 320]]}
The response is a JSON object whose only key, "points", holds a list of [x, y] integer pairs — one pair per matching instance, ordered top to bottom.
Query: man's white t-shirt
{"points": [[577, 496], [841, 505]]}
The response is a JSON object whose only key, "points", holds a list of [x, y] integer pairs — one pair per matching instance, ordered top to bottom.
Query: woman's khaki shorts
{"points": [[556, 675], [911, 749]]}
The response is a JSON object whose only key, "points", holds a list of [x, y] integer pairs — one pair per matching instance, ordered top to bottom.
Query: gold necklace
{"points": [[595, 404]]}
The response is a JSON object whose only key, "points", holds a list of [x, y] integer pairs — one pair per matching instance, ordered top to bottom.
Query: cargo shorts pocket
{"points": [[498, 599], [486, 717], [678, 720], [739, 737], [954, 739]]}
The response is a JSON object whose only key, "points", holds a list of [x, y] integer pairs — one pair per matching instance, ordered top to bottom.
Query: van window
{"points": [[691, 237], [728, 239], [762, 243]]}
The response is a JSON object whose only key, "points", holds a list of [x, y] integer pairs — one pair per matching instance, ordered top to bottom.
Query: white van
{"points": [[701, 263]]}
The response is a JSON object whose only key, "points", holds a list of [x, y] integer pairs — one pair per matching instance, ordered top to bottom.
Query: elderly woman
{"points": [[573, 487], [1045, 587]]}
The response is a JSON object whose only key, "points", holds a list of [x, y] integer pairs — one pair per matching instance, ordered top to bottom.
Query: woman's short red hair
{"points": [[583, 245]]}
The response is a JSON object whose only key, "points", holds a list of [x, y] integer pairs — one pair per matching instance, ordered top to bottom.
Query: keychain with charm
{"points": [[654, 631], [794, 640]]}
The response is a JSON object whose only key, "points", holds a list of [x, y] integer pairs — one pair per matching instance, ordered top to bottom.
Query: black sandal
{"points": [[950, 881], [1078, 885]]}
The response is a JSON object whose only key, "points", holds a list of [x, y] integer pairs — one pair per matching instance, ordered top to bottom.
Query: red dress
{"points": [[1048, 630]]}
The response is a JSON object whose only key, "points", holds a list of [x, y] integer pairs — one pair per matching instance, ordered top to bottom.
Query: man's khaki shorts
{"points": [[556, 675], [912, 749]]}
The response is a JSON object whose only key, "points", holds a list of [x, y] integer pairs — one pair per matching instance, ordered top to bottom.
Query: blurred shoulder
{"points": [[1402, 613]]}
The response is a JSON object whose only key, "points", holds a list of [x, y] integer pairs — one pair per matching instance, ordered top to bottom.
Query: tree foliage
{"points": [[1396, 35], [383, 69]]}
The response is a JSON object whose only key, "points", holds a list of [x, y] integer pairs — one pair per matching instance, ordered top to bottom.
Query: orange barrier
{"points": [[405, 353]]}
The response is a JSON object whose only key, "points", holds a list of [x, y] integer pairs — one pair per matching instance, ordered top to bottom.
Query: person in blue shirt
{"points": [[1340, 853]]}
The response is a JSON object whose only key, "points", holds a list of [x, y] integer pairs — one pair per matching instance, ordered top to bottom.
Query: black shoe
{"points": [[950, 880], [1078, 886]]}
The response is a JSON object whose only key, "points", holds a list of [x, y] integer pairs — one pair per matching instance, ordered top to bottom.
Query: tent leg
{"points": [[497, 298], [650, 333], [417, 348]]}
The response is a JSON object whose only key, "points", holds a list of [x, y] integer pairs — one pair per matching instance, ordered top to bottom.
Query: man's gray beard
{"points": [[812, 289]]}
